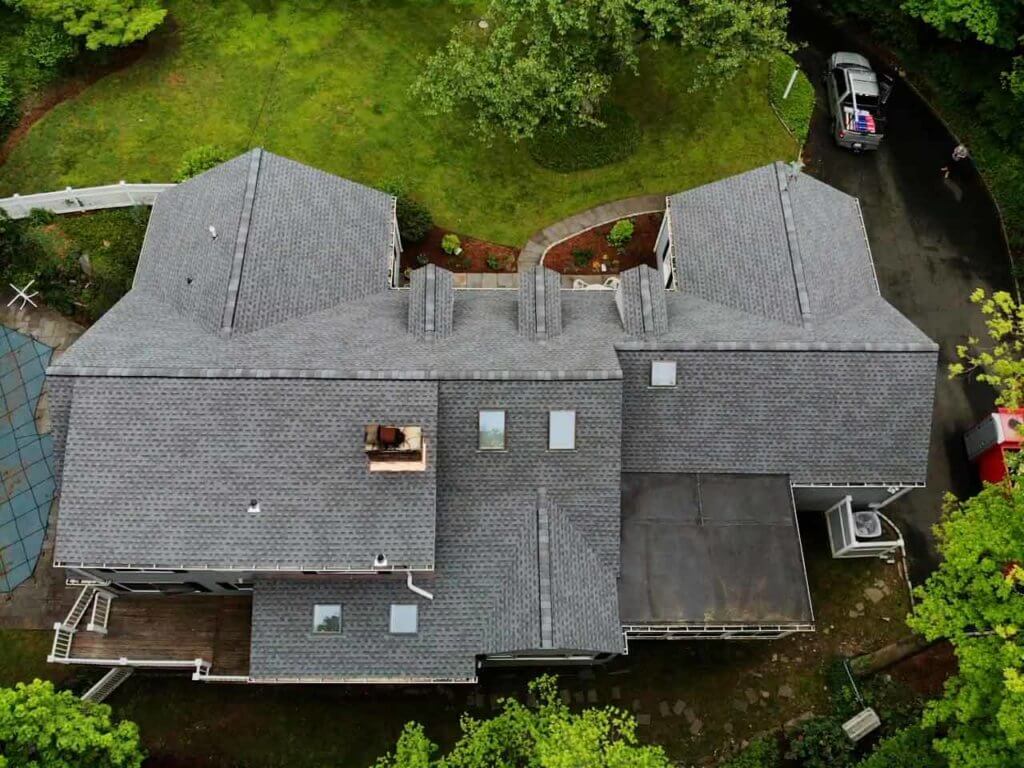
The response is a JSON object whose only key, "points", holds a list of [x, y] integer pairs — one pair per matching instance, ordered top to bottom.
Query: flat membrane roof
{"points": [[711, 549]]}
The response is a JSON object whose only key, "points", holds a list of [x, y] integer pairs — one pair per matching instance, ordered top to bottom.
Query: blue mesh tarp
{"points": [[26, 458]]}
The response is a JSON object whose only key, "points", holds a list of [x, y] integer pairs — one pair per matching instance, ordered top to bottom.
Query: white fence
{"points": [[72, 200]]}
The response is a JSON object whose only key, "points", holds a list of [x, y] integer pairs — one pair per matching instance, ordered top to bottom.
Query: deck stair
{"points": [[80, 608], [100, 612], [64, 631], [107, 684]]}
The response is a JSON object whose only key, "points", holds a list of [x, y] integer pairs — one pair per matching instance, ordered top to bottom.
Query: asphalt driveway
{"points": [[934, 240]]}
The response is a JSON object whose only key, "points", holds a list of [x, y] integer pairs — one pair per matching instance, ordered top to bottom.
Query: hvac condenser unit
{"points": [[858, 533]]}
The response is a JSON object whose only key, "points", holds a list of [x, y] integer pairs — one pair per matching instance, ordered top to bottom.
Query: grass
{"points": [[328, 84], [794, 110], [577, 149], [221, 725]]}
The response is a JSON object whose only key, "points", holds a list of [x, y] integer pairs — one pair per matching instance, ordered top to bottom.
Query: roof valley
{"points": [[241, 241]]}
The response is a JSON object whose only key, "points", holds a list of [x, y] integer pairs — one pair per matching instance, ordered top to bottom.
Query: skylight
{"points": [[663, 373], [492, 430], [561, 430], [326, 619], [404, 619]]}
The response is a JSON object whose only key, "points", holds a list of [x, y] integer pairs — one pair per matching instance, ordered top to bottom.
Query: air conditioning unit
{"points": [[858, 533], [861, 724]]}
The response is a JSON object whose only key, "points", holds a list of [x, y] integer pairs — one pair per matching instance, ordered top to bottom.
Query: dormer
{"points": [[431, 302]]}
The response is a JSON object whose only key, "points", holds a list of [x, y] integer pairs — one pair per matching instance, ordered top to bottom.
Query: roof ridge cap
{"points": [[241, 242], [796, 263], [544, 569]]}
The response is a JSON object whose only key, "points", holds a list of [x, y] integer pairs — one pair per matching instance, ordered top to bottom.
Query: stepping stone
{"points": [[874, 594], [786, 691], [678, 707], [664, 709], [689, 714], [643, 719], [696, 726]]}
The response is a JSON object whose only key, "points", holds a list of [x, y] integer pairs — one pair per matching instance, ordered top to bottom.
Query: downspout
{"points": [[418, 590]]}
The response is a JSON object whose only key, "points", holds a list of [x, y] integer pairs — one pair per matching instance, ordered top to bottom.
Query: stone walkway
{"points": [[602, 214], [40, 600]]}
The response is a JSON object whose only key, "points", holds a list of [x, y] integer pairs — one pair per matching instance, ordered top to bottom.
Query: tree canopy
{"points": [[100, 23], [548, 62], [999, 363], [976, 601], [43, 727], [546, 735]]}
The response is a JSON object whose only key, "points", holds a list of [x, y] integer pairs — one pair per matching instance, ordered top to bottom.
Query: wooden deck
{"points": [[215, 628]]}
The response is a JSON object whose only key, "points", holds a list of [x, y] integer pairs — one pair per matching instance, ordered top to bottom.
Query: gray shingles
{"points": [[641, 301], [431, 302], [540, 303], [818, 416], [161, 472]]}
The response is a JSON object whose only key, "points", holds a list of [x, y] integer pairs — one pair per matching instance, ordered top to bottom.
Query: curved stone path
{"points": [[602, 214]]}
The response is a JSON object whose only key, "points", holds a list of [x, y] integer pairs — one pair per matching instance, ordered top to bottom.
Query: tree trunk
{"points": [[869, 663]]}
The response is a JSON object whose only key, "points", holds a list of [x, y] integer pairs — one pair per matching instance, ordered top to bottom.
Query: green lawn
{"points": [[328, 84]]}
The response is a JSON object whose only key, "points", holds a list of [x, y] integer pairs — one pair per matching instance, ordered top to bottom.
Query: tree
{"points": [[996, 22], [101, 23], [548, 62], [1000, 364], [976, 601], [42, 727], [546, 735]]}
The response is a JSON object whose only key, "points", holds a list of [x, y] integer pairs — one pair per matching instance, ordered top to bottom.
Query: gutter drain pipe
{"points": [[418, 590]]}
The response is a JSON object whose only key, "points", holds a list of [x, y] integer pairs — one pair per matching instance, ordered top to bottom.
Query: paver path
{"points": [[540, 242]]}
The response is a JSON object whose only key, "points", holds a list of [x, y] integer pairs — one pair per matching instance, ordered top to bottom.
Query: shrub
{"points": [[48, 45], [8, 101], [795, 110], [575, 149], [199, 159], [40, 217], [414, 220], [621, 234], [450, 243], [582, 256], [422, 259], [494, 261], [821, 743], [909, 748], [763, 752]]}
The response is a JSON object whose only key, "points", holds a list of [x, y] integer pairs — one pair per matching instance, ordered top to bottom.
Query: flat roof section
{"points": [[711, 549]]}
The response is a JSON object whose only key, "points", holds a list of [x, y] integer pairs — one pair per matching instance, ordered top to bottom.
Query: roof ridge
{"points": [[241, 241], [793, 242], [544, 569]]}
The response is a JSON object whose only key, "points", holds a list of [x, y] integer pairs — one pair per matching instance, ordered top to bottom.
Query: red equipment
{"points": [[990, 441]]}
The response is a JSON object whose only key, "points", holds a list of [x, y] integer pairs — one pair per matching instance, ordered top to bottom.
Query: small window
{"points": [[663, 373], [492, 430], [562, 430], [327, 619], [404, 619]]}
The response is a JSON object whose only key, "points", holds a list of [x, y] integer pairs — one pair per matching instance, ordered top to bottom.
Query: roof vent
{"points": [[213, 232], [640, 298], [431, 302], [540, 303], [254, 507], [380, 561]]}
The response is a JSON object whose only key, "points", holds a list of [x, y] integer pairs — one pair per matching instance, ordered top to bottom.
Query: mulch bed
{"points": [[640, 249], [472, 259], [926, 672]]}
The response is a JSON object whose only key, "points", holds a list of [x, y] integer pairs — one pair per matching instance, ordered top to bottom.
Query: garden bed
{"points": [[476, 256], [567, 257]]}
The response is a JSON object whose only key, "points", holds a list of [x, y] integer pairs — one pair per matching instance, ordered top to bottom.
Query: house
{"points": [[276, 466]]}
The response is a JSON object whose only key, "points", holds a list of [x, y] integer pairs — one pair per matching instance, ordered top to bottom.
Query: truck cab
{"points": [[855, 102]]}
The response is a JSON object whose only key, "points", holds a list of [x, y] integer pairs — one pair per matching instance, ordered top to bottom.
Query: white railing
{"points": [[71, 200], [80, 607], [62, 637]]}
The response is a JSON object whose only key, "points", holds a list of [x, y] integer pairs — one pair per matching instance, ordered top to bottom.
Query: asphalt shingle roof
{"points": [[161, 472]]}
